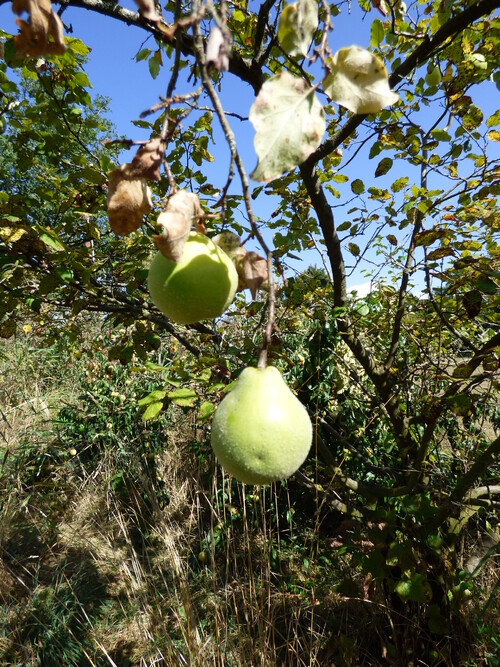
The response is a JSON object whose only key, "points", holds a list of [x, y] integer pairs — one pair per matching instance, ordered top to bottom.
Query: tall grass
{"points": [[123, 544]]}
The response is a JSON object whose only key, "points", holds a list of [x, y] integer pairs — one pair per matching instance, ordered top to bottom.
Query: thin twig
{"points": [[266, 339]]}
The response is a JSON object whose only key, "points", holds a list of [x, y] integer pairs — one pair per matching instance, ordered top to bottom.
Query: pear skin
{"points": [[261, 432]]}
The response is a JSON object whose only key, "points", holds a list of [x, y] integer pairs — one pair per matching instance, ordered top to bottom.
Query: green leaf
{"points": [[238, 16], [297, 25], [377, 33], [143, 54], [154, 64], [358, 81], [494, 119], [289, 123], [440, 135], [493, 135], [375, 149], [383, 166], [93, 176], [399, 184], [357, 186], [343, 226], [50, 238], [354, 249], [64, 274], [486, 285], [462, 371], [183, 396], [153, 397], [460, 404], [206, 410], [152, 411], [415, 589]]}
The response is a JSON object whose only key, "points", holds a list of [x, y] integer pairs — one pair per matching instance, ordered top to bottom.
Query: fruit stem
{"points": [[266, 338]]}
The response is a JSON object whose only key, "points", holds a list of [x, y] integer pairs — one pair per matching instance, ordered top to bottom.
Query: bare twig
{"points": [[266, 338]]}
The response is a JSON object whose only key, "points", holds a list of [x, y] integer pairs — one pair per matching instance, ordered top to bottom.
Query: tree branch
{"points": [[419, 56], [243, 69], [459, 493]]}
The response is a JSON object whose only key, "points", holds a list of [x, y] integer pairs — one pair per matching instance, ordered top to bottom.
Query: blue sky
{"points": [[114, 72]]}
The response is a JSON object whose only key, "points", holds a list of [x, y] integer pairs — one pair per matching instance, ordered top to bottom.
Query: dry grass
{"points": [[138, 551]]}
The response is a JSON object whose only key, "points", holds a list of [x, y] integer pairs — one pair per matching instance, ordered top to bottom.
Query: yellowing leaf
{"points": [[297, 25], [359, 81], [289, 123], [11, 234], [183, 396], [152, 411]]}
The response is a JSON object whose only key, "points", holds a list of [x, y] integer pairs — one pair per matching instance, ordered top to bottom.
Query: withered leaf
{"points": [[147, 9], [42, 33], [217, 50], [147, 161], [129, 199], [183, 209], [231, 244], [251, 267], [252, 272]]}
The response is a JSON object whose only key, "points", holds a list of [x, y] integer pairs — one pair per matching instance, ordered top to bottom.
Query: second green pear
{"points": [[261, 432]]}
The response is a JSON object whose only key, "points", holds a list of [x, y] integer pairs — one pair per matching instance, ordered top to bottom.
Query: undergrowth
{"points": [[123, 544]]}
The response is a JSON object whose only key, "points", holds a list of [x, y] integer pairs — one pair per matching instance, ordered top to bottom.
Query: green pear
{"points": [[198, 287], [261, 432]]}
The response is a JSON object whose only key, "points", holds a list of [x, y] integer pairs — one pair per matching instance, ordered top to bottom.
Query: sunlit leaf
{"points": [[297, 24], [359, 81], [289, 123], [183, 396], [153, 397], [152, 411], [205, 411]]}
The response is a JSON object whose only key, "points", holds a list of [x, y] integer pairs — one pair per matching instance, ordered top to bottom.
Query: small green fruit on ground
{"points": [[199, 287], [261, 432]]}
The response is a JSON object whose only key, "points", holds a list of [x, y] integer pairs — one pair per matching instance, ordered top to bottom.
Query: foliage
{"points": [[383, 160]]}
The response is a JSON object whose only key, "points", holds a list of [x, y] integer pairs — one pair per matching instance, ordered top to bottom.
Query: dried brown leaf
{"points": [[381, 6], [147, 9], [42, 33], [147, 161], [129, 199], [183, 210], [251, 267], [252, 271]]}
